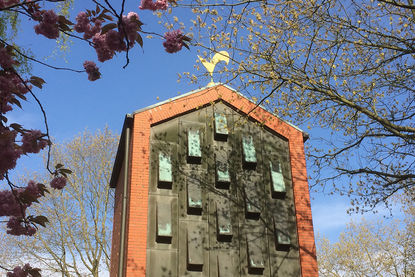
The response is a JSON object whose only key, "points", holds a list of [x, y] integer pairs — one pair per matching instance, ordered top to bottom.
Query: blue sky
{"points": [[74, 104]]}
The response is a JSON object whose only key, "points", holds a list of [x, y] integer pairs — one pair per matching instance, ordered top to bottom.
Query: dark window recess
{"points": [[221, 127], [194, 151], [248, 153], [222, 173], [165, 176], [278, 189], [194, 196], [252, 201], [223, 221], [163, 222], [195, 234], [282, 238], [282, 241], [255, 255], [225, 266]]}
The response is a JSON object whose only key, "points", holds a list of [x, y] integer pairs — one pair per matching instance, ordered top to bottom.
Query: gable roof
{"points": [[193, 100]]}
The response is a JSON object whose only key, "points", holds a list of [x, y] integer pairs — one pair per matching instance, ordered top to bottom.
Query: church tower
{"points": [[210, 184]]}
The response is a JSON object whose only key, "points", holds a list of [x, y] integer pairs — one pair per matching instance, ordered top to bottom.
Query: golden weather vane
{"points": [[210, 66]]}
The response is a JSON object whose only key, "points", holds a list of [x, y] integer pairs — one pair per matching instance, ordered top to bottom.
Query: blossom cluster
{"points": [[8, 3], [153, 6], [48, 24], [83, 25], [174, 41], [106, 44], [92, 70], [15, 140], [10, 151], [13, 203], [18, 226], [19, 271]]}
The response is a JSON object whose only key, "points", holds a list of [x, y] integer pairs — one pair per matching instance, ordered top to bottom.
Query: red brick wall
{"points": [[137, 215], [116, 231]]}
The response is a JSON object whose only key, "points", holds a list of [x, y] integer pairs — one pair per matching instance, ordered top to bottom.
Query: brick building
{"points": [[208, 184]]}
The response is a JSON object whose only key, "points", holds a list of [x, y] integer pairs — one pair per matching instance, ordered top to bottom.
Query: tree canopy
{"points": [[103, 25], [347, 66], [78, 238], [368, 248]]}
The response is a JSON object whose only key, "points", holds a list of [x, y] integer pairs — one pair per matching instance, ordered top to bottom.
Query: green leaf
{"points": [[103, 15], [64, 20], [108, 27], [186, 38], [139, 40], [185, 45], [37, 81], [21, 96], [16, 102], [16, 126], [64, 170], [40, 219], [35, 272]]}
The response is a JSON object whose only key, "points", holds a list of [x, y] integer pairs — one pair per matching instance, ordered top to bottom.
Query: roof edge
{"points": [[176, 97], [305, 134], [119, 157]]}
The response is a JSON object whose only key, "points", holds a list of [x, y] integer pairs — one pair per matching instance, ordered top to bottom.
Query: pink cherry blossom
{"points": [[8, 3], [153, 6], [82, 22], [48, 25], [83, 25], [131, 25], [90, 32], [115, 41], [174, 41], [101, 47], [6, 60], [92, 70], [10, 85], [32, 141], [9, 151], [58, 182], [34, 189], [11, 202], [9, 206], [17, 227], [18, 271]]}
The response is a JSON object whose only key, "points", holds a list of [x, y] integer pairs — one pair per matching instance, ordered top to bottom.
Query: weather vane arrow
{"points": [[210, 66]]}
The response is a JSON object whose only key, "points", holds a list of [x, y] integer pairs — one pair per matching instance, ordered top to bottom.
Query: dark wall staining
{"points": [[220, 198]]}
